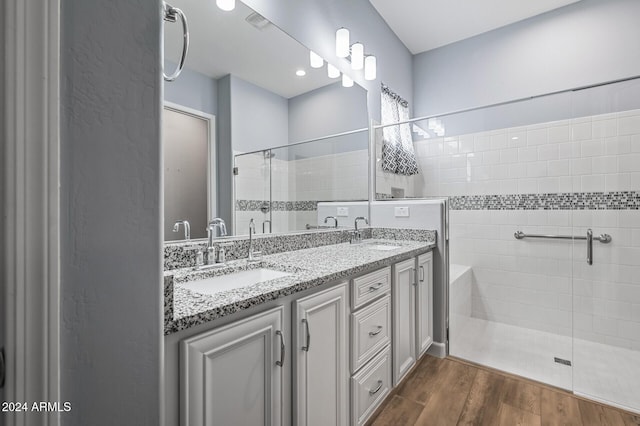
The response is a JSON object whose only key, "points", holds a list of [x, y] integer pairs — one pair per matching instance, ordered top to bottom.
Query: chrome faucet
{"points": [[360, 218], [335, 219], [216, 223], [187, 228], [252, 230], [356, 236]]}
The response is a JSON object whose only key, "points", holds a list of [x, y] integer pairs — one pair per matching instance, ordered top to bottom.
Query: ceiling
{"points": [[427, 24], [224, 43]]}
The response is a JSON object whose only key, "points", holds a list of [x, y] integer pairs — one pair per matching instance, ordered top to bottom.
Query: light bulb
{"points": [[226, 5], [342, 43], [357, 56], [315, 60], [332, 71], [370, 71], [346, 81]]}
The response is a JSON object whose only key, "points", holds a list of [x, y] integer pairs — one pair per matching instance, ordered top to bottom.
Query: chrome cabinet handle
{"points": [[422, 273], [415, 279], [373, 288], [375, 333], [308, 345], [283, 349], [376, 390]]}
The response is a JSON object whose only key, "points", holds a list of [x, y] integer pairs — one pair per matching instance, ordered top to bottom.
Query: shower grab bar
{"points": [[170, 15], [603, 238]]}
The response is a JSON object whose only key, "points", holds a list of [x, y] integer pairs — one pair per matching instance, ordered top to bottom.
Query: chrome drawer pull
{"points": [[421, 273], [375, 287], [306, 325], [375, 333], [282, 349], [376, 390]]}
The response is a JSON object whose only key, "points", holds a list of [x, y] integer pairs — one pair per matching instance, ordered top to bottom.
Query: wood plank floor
{"points": [[446, 392]]}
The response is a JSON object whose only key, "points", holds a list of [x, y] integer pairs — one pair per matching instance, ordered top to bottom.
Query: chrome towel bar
{"points": [[171, 14], [603, 238]]}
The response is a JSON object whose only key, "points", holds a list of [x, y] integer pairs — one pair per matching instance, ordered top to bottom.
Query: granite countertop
{"points": [[308, 268]]}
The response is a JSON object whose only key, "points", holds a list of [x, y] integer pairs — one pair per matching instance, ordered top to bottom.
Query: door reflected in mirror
{"points": [[189, 182]]}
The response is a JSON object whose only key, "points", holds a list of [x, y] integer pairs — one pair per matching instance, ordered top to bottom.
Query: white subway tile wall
{"points": [[598, 153], [335, 177], [544, 284]]}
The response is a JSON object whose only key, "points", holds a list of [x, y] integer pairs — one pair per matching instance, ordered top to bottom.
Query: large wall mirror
{"points": [[252, 131]]}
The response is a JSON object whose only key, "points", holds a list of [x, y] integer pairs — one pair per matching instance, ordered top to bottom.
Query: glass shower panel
{"points": [[501, 167], [605, 170], [305, 174], [252, 185]]}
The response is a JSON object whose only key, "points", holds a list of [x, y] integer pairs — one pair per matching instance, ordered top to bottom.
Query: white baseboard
{"points": [[437, 349]]}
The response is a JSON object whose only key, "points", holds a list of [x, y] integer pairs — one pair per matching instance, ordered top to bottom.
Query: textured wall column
{"points": [[111, 212]]}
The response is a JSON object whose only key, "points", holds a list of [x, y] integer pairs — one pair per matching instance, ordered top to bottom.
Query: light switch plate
{"points": [[343, 211], [402, 212]]}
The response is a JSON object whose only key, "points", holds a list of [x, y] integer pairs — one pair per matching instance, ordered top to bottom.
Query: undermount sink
{"points": [[378, 246], [233, 281]]}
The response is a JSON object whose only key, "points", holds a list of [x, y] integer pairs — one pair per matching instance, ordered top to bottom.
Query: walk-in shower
{"points": [[281, 187], [544, 235]]}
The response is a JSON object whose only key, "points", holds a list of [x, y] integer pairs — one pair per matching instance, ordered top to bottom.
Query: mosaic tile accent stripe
{"points": [[622, 200], [283, 206]]}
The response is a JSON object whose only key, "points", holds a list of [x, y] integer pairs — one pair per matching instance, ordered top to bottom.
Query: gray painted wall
{"points": [[314, 23], [581, 44], [192, 89], [609, 98], [326, 111], [259, 118], [111, 238]]}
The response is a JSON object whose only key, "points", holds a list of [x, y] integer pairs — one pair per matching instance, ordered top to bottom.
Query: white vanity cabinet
{"points": [[424, 304], [412, 312], [404, 318], [370, 343], [351, 344], [321, 373], [233, 375]]}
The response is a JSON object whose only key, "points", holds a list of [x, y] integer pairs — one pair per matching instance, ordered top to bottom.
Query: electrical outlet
{"points": [[343, 211], [402, 212]]}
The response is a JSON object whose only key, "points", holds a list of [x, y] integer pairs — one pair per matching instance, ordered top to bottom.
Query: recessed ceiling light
{"points": [[301, 73], [515, 138]]}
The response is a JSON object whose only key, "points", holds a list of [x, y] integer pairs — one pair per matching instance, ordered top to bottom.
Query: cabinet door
{"points": [[424, 304], [404, 320], [321, 373], [233, 375]]}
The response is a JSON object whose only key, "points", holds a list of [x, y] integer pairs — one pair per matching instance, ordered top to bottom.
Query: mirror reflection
{"points": [[245, 101]]}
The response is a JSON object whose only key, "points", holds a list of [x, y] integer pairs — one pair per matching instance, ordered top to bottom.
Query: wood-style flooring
{"points": [[446, 392]]}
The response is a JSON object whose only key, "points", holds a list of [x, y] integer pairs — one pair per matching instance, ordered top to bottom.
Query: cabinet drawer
{"points": [[370, 286], [370, 331], [370, 387]]}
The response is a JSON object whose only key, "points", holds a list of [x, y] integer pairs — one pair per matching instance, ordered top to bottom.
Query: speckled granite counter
{"points": [[309, 268]]}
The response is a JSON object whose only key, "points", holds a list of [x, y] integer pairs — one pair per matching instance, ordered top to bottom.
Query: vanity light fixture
{"points": [[226, 5], [342, 43], [357, 56], [315, 60], [370, 68], [332, 71], [301, 73], [346, 81]]}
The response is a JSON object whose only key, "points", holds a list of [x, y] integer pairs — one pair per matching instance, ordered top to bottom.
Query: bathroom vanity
{"points": [[316, 335]]}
